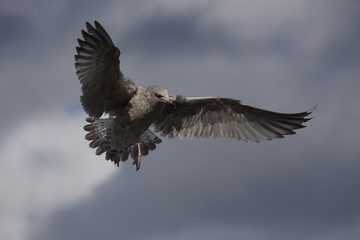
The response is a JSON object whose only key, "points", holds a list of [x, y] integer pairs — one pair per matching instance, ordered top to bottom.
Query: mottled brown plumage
{"points": [[133, 109]]}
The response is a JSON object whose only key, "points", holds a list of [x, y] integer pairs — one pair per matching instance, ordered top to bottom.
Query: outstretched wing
{"points": [[97, 63], [203, 117]]}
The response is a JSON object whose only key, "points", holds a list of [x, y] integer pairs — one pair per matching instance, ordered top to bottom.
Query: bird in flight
{"points": [[132, 109]]}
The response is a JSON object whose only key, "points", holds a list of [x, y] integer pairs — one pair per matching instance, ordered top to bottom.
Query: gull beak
{"points": [[171, 102]]}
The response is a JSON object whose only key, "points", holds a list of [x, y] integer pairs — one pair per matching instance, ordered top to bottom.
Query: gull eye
{"points": [[158, 95]]}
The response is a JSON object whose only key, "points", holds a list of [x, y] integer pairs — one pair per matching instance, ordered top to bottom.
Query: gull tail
{"points": [[101, 137]]}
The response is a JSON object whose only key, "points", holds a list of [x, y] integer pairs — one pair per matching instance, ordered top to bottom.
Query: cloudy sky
{"points": [[282, 55]]}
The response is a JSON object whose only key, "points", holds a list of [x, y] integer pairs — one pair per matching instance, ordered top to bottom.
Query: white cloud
{"points": [[45, 164]]}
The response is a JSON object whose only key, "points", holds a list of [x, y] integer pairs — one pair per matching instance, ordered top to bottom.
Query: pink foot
{"points": [[137, 160]]}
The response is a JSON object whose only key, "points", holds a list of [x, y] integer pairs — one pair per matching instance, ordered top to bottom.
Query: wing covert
{"points": [[202, 117]]}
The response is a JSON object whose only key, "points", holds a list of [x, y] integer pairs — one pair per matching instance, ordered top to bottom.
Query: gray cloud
{"points": [[13, 28], [168, 33], [302, 187], [310, 195]]}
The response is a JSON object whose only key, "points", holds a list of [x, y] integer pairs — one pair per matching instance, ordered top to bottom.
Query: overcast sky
{"points": [[282, 55]]}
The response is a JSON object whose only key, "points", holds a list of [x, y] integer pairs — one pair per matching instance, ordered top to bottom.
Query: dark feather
{"points": [[97, 64], [225, 118]]}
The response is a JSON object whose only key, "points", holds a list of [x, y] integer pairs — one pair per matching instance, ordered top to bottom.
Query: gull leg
{"points": [[117, 158], [137, 159]]}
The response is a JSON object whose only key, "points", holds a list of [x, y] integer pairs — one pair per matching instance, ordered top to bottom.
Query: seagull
{"points": [[131, 110]]}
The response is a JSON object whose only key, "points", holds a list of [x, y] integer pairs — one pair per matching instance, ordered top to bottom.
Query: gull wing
{"points": [[97, 63], [202, 117]]}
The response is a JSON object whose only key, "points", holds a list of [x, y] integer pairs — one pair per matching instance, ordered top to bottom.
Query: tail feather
{"points": [[99, 135]]}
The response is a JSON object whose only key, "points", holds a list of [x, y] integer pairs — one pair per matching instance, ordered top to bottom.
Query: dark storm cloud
{"points": [[13, 27], [167, 33], [339, 46], [344, 51], [44, 52], [36, 62], [302, 187], [186, 190]]}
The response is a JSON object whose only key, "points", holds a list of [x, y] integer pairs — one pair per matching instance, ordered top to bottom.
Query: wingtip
{"points": [[95, 22], [88, 24], [90, 28], [84, 33], [312, 109], [307, 119]]}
